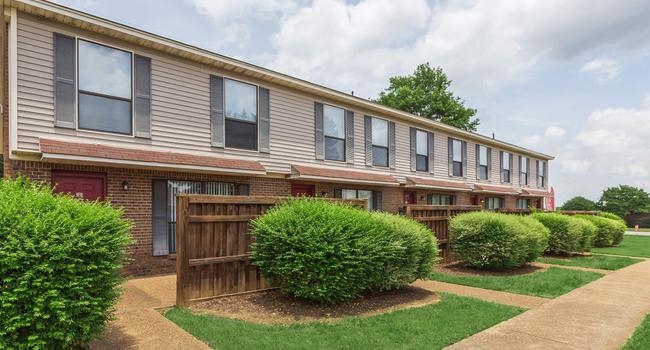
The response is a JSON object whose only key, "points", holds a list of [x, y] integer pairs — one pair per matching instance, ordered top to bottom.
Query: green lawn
{"points": [[640, 229], [631, 246], [602, 262], [549, 283], [432, 327], [641, 338]]}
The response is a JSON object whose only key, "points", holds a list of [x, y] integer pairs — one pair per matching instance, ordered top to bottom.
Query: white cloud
{"points": [[228, 11], [605, 68], [554, 132], [551, 135]]}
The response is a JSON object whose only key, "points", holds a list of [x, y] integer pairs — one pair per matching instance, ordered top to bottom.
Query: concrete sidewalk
{"points": [[601, 315], [139, 325]]}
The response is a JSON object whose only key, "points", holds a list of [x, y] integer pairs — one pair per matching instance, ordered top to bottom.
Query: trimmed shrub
{"points": [[612, 216], [587, 232], [566, 233], [608, 233], [496, 241], [329, 252], [59, 261]]}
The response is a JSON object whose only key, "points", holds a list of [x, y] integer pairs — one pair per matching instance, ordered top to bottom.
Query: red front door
{"points": [[82, 185], [303, 190], [409, 197]]}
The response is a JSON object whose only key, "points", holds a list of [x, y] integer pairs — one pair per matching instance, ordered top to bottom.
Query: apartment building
{"points": [[101, 110]]}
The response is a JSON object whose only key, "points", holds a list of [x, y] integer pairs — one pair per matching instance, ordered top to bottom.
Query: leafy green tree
{"points": [[426, 93], [624, 200], [579, 203]]}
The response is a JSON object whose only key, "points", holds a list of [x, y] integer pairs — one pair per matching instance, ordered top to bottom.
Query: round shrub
{"points": [[611, 216], [587, 232], [608, 232], [566, 233], [496, 241], [329, 252], [59, 261]]}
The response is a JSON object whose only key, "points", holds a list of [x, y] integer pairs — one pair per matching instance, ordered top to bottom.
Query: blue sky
{"points": [[571, 79]]}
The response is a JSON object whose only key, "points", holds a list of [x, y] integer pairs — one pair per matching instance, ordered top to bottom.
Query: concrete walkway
{"points": [[640, 233], [525, 301], [601, 315], [139, 325]]}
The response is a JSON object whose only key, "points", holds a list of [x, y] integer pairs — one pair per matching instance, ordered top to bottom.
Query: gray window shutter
{"points": [[65, 53], [142, 96], [216, 111], [264, 119], [367, 125], [349, 136], [320, 137], [392, 148], [413, 149], [464, 152], [431, 153], [450, 155], [478, 161], [489, 163], [501, 166], [527, 170], [545, 174], [521, 182], [159, 218]]}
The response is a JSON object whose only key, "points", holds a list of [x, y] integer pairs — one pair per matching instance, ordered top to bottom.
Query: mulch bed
{"points": [[460, 270], [273, 307]]}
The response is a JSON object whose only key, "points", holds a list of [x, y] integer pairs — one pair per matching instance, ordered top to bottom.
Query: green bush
{"points": [[587, 232], [608, 232], [567, 233], [496, 241], [330, 252], [59, 261]]}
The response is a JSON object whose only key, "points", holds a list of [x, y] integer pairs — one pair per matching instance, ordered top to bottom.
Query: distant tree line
{"points": [[622, 201]]}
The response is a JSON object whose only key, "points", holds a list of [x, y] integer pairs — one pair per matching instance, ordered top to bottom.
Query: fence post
{"points": [[182, 203]]}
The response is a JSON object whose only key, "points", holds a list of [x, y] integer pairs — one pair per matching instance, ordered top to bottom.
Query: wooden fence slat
{"points": [[220, 218], [218, 260]]}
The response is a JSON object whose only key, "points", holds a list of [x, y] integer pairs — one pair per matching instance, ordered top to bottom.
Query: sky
{"points": [[567, 78]]}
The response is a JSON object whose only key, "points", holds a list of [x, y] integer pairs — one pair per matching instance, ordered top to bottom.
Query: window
{"points": [[105, 92], [240, 112], [334, 130], [379, 142], [421, 150], [457, 157], [482, 162], [505, 166], [523, 170], [541, 173], [190, 187], [373, 198], [441, 199], [492, 203], [522, 203]]}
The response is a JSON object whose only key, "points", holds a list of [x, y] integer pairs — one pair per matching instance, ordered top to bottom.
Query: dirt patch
{"points": [[460, 270], [273, 307]]}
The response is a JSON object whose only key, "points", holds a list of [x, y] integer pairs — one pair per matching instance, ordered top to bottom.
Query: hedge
{"points": [[587, 232], [608, 233], [567, 234], [496, 241], [330, 252], [59, 261]]}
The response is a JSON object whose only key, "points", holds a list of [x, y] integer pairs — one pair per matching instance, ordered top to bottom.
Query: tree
{"points": [[426, 93], [624, 200], [579, 203]]}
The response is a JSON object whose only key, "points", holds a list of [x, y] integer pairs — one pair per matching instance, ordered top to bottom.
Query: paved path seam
{"points": [[525, 301], [600, 315]]}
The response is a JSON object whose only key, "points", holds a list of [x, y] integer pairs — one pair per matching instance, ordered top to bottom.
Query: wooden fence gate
{"points": [[436, 218], [213, 245]]}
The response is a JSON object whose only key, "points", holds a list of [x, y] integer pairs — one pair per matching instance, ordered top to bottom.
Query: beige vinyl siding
{"points": [[180, 113]]}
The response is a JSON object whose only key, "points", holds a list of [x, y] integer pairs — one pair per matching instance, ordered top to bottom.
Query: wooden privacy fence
{"points": [[436, 218], [213, 245]]}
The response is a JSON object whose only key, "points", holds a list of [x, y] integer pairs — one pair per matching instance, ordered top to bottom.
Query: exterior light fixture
{"points": [[125, 185]]}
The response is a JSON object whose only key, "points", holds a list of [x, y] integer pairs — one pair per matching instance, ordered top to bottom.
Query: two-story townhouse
{"points": [[101, 110]]}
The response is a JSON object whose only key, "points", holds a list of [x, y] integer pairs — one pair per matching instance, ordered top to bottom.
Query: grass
{"points": [[630, 246], [602, 262], [549, 283], [433, 327], [640, 340]]}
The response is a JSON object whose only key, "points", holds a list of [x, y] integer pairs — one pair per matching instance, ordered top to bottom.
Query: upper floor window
{"points": [[105, 88], [240, 112], [334, 132], [379, 142], [421, 150], [457, 157], [506, 160], [483, 162], [523, 170], [541, 173], [441, 199], [493, 203], [522, 203]]}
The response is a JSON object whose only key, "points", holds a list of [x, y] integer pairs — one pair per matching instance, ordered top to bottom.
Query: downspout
{"points": [[3, 81]]}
